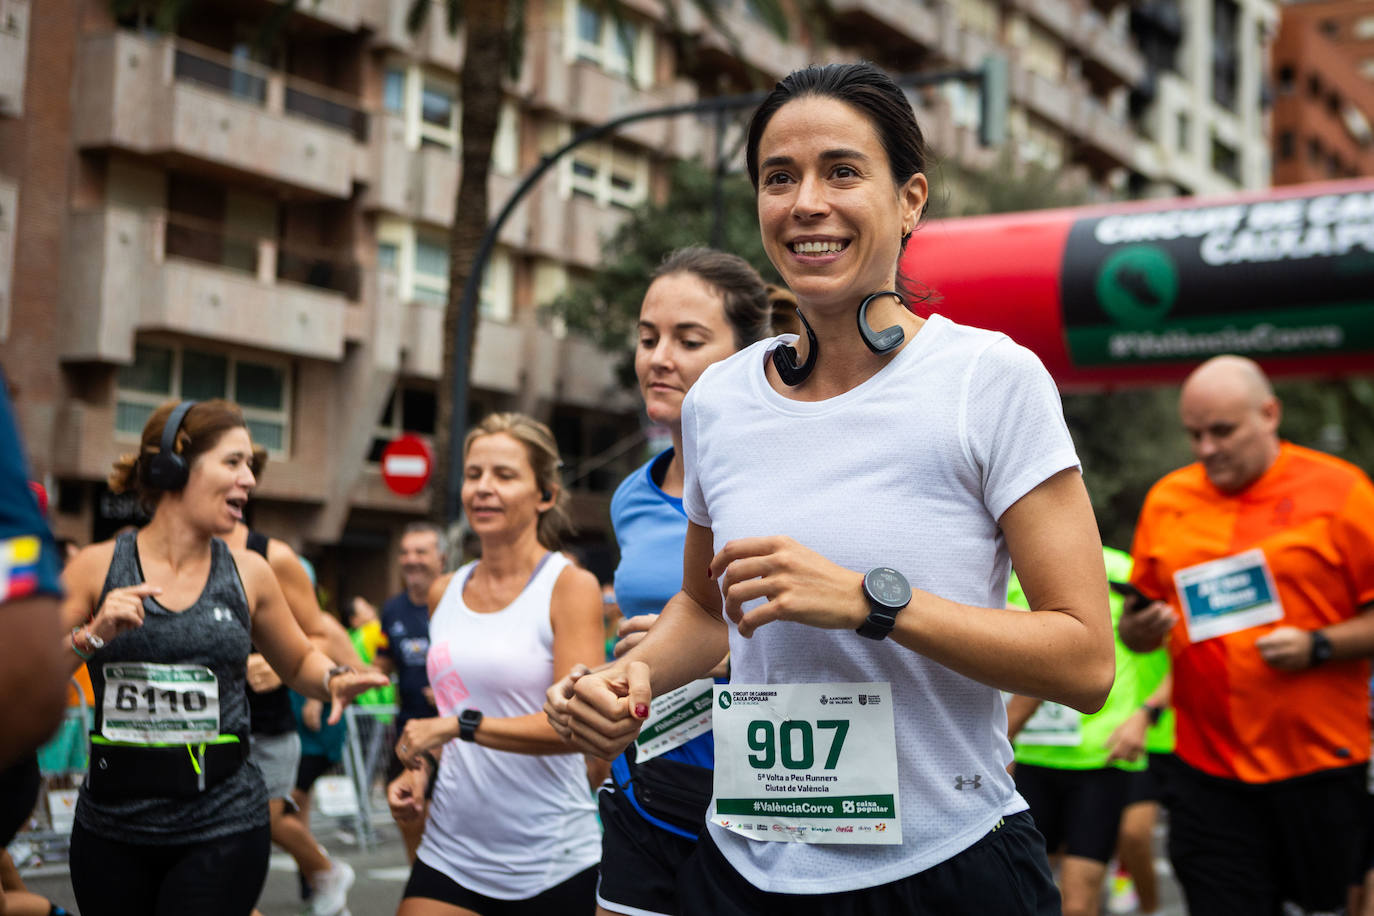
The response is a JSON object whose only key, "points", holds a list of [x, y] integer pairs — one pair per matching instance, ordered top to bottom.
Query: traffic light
{"points": [[992, 102]]}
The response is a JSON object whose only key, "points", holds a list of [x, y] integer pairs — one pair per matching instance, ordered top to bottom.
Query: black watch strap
{"points": [[879, 623], [1321, 649], [468, 720]]}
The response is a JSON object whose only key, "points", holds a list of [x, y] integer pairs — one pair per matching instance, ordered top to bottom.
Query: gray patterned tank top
{"points": [[214, 634]]}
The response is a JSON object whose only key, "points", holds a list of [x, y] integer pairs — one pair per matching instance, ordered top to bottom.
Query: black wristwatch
{"points": [[887, 592], [1321, 649], [1153, 713], [468, 720]]}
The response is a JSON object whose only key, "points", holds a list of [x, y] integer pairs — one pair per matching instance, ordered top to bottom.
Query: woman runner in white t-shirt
{"points": [[880, 479], [512, 826]]}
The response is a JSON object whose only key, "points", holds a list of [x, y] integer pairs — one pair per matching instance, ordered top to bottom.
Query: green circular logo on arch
{"points": [[1138, 285], [724, 699]]}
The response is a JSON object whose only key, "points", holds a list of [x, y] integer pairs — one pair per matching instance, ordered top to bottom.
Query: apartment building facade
{"points": [[1323, 68], [1203, 107], [189, 215]]}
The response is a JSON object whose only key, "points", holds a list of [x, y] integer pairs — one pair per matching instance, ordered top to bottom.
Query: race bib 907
{"points": [[806, 763]]}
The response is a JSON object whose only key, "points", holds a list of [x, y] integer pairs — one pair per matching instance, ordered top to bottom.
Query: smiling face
{"points": [[831, 216], [682, 330], [219, 483], [500, 494], [421, 562]]}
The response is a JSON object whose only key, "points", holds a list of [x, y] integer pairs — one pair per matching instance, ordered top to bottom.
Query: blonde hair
{"points": [[542, 450]]}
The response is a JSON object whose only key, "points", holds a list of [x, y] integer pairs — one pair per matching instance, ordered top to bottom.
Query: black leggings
{"points": [[219, 877]]}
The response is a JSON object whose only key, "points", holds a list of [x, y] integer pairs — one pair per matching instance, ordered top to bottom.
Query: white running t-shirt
{"points": [[912, 469]]}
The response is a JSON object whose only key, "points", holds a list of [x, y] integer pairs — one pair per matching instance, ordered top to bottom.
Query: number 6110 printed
{"points": [[128, 696]]}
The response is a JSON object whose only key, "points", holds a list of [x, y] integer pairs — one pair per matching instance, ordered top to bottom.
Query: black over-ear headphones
{"points": [[886, 340], [785, 357], [167, 470]]}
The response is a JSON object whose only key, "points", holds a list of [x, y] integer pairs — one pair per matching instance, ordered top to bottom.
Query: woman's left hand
{"points": [[799, 584], [344, 687], [422, 735]]}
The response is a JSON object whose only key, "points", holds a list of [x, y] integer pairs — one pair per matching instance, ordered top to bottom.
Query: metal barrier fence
{"points": [[371, 736]]}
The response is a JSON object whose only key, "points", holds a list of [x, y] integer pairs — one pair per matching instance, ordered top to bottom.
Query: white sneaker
{"points": [[331, 890]]}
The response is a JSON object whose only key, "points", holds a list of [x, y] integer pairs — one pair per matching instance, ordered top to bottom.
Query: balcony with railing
{"points": [[347, 15], [916, 22], [433, 44], [755, 45], [1108, 50], [14, 51], [1110, 54], [585, 92], [168, 96], [1049, 99], [1106, 140], [421, 184], [571, 229], [152, 270]]}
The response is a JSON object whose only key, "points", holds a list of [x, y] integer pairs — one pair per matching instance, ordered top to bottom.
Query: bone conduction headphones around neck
{"points": [[880, 342]]}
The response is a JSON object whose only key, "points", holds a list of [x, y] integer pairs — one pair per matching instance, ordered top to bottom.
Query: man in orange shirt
{"points": [[1259, 558]]}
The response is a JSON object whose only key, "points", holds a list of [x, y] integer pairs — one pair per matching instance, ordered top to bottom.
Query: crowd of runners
{"points": [[826, 696]]}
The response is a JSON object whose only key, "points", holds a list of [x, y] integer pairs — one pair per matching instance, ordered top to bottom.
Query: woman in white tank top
{"points": [[512, 825]]}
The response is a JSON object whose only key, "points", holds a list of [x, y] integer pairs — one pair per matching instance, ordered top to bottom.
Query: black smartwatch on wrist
{"points": [[887, 592], [1321, 649], [1153, 713], [468, 720]]}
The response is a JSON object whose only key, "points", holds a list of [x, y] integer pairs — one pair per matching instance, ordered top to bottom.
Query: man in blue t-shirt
{"points": [[405, 624]]}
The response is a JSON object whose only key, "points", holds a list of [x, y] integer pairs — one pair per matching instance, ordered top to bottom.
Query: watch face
{"points": [[888, 587]]}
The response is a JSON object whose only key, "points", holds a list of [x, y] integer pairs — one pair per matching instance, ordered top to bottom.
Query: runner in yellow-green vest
{"points": [[1076, 771]]}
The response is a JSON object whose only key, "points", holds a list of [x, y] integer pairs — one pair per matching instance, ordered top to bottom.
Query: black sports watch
{"points": [[887, 592], [1321, 649], [468, 720]]}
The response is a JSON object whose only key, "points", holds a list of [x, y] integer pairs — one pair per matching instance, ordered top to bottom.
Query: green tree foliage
{"points": [[1333, 415], [1126, 440]]}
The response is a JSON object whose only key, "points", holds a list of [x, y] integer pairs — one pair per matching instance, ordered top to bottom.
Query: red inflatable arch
{"points": [[1139, 293]]}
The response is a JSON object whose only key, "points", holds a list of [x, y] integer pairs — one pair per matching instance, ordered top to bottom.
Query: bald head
{"points": [[1233, 375], [1231, 416]]}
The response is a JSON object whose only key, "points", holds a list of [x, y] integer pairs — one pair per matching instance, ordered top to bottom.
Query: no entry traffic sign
{"points": [[406, 464]]}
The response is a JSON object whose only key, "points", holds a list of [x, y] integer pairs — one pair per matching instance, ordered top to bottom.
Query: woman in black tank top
{"points": [[169, 820]]}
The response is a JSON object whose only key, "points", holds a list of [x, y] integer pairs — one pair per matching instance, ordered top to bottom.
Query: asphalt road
{"points": [[382, 875]]}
